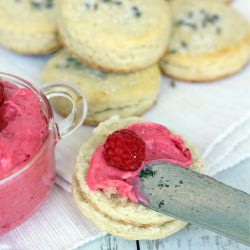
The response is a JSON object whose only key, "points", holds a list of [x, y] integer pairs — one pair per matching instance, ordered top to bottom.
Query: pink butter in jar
{"points": [[28, 136]]}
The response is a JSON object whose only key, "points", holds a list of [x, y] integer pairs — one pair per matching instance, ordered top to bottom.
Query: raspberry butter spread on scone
{"points": [[127, 154], [107, 173]]}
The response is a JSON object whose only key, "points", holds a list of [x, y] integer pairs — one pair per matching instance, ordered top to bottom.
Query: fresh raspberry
{"points": [[1, 93], [125, 150]]}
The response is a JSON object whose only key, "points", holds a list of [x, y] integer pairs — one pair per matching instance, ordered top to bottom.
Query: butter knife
{"points": [[192, 197]]}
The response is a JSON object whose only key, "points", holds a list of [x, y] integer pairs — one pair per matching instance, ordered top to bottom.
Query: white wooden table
{"points": [[191, 238]]}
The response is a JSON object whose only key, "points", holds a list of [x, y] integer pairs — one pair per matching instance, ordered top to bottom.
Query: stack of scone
{"points": [[112, 47], [112, 50], [112, 53], [107, 93], [106, 207]]}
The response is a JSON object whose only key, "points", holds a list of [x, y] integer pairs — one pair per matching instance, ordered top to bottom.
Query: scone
{"points": [[28, 26], [120, 36], [209, 41], [107, 93], [104, 193]]}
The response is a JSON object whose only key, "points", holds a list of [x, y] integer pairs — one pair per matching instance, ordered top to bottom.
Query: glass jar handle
{"points": [[79, 106]]}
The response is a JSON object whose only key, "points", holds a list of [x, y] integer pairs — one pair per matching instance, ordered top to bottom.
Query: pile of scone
{"points": [[115, 51], [106, 207]]}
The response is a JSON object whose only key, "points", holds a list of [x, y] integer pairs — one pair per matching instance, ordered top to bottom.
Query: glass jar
{"points": [[23, 192]]}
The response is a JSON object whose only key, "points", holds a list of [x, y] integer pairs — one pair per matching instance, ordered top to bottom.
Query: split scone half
{"points": [[28, 26], [119, 36], [209, 41], [107, 94], [105, 207]]}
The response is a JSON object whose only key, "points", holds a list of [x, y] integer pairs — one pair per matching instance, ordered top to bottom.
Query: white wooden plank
{"points": [[193, 238], [110, 243]]}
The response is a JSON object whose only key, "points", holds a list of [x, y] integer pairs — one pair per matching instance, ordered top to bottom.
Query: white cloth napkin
{"points": [[213, 117], [230, 148]]}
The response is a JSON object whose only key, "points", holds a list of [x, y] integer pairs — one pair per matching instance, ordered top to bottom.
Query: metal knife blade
{"points": [[196, 198]]}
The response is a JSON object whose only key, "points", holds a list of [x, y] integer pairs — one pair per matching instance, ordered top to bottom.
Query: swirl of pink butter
{"points": [[23, 128], [161, 145]]}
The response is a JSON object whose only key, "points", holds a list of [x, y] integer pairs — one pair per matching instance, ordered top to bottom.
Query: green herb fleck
{"points": [[117, 2], [48, 4], [36, 5], [87, 5], [91, 6], [203, 11], [137, 12], [190, 14], [216, 17], [209, 18], [206, 19], [185, 23], [218, 30], [184, 44], [173, 51], [71, 62], [100, 74], [172, 83], [147, 173], [161, 204]]}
